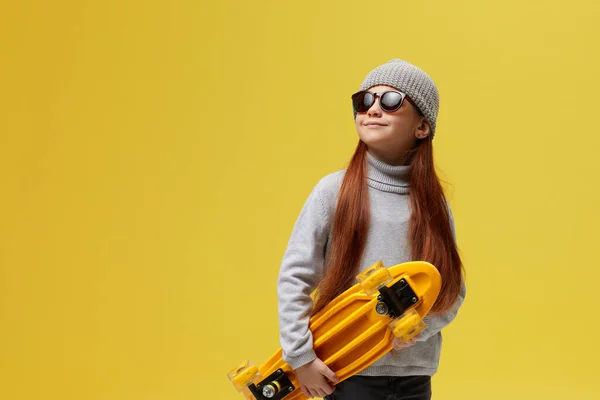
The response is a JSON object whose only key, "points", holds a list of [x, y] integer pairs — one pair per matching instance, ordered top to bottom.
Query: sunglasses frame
{"points": [[376, 95]]}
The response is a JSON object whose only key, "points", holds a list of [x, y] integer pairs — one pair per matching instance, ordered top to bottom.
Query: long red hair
{"points": [[429, 233]]}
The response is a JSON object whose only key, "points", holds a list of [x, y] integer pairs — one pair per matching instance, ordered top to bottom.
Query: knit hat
{"points": [[411, 80]]}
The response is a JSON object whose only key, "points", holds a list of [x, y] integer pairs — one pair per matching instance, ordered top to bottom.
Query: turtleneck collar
{"points": [[385, 177]]}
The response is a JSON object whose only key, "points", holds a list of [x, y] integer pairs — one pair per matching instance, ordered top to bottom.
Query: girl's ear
{"points": [[423, 129]]}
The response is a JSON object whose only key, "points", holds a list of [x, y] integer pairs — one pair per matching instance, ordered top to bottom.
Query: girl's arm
{"points": [[301, 268], [435, 323]]}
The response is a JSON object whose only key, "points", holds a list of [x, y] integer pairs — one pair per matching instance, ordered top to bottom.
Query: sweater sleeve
{"points": [[301, 268], [435, 323]]}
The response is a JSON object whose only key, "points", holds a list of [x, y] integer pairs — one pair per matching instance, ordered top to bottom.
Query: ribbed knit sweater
{"points": [[303, 267]]}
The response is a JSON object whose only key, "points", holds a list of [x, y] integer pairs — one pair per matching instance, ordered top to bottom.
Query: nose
{"points": [[375, 109]]}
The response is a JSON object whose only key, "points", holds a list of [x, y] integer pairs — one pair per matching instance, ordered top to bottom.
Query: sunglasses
{"points": [[389, 101]]}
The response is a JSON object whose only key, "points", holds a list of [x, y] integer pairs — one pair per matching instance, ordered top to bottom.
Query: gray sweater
{"points": [[302, 267]]}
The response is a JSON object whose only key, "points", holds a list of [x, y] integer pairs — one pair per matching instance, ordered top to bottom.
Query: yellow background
{"points": [[155, 156]]}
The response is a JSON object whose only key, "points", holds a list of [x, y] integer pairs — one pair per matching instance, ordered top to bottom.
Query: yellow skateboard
{"points": [[354, 330]]}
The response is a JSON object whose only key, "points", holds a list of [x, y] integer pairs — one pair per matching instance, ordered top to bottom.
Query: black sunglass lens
{"points": [[390, 100], [363, 101]]}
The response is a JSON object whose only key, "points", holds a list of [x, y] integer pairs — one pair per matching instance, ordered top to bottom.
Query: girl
{"points": [[387, 205]]}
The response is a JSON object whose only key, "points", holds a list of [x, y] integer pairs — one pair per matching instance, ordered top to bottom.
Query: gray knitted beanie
{"points": [[411, 80]]}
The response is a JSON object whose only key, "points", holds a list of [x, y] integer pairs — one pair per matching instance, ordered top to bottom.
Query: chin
{"points": [[374, 139]]}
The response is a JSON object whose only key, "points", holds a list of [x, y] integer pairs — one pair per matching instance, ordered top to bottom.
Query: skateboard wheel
{"points": [[374, 278], [407, 325], [244, 375], [271, 389]]}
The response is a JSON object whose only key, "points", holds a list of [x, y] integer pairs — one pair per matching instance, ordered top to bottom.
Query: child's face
{"points": [[397, 132]]}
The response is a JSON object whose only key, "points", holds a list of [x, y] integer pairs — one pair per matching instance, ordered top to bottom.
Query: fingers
{"points": [[397, 345], [329, 374], [315, 379], [327, 389], [305, 391], [318, 391], [324, 391]]}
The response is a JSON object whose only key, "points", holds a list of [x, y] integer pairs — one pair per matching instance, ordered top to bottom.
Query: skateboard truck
{"points": [[394, 300], [274, 387]]}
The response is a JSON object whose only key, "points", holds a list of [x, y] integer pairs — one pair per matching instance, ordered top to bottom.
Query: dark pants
{"points": [[383, 388]]}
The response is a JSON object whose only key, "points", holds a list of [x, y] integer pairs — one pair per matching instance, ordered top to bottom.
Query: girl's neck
{"points": [[387, 177]]}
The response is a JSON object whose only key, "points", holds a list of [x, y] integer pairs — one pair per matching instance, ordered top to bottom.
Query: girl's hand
{"points": [[397, 345], [313, 379]]}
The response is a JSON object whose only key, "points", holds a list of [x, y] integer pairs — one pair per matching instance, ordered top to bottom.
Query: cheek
{"points": [[359, 126], [362, 130]]}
